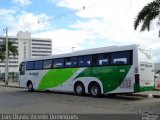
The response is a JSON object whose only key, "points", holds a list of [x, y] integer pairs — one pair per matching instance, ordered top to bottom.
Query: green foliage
{"points": [[147, 15], [12, 50], [158, 72]]}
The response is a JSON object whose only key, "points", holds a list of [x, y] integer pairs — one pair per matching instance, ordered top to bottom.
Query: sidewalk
{"points": [[10, 84], [155, 93]]}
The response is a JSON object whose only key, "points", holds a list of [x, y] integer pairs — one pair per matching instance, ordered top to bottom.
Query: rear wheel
{"points": [[30, 87], [79, 89], [95, 90]]}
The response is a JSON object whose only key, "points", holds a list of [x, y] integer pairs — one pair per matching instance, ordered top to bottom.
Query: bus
{"points": [[105, 70]]}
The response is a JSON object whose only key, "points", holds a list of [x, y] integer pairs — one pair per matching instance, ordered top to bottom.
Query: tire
{"points": [[30, 87], [79, 89], [95, 90]]}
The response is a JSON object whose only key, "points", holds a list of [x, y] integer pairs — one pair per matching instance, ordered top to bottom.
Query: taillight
{"points": [[137, 79]]}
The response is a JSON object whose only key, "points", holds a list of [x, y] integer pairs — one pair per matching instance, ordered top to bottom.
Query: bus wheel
{"points": [[30, 87], [79, 88], [95, 89]]}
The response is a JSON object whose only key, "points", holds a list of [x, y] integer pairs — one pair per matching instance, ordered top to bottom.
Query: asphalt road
{"points": [[18, 100]]}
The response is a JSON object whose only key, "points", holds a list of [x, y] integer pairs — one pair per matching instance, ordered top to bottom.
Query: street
{"points": [[18, 100]]}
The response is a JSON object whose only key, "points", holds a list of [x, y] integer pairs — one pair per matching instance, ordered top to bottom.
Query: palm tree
{"points": [[147, 15], [12, 50], [2, 55]]}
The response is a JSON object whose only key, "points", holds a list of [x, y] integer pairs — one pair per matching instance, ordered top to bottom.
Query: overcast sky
{"points": [[81, 24]]}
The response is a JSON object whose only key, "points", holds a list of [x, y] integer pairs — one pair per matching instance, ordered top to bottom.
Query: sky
{"points": [[79, 24]]}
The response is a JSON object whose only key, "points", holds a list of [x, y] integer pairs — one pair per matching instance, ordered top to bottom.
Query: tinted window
{"points": [[120, 58], [102, 59], [85, 60], [71, 62], [58, 63], [47, 64], [30, 65], [38, 65], [22, 68]]}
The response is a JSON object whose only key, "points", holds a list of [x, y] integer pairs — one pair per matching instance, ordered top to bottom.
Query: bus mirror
{"points": [[20, 68]]}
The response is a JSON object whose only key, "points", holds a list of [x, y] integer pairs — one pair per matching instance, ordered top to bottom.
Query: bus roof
{"points": [[87, 51]]}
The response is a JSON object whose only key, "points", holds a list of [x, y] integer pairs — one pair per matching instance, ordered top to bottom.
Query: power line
{"points": [[71, 12]]}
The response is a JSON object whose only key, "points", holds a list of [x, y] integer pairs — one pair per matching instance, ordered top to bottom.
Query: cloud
{"points": [[22, 2], [22, 21], [29, 21], [102, 23], [111, 23], [63, 40]]}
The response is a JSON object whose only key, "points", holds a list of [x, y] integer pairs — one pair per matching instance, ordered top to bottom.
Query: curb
{"points": [[11, 86]]}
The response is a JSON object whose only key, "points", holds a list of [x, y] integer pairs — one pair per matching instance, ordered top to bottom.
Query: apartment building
{"points": [[28, 47]]}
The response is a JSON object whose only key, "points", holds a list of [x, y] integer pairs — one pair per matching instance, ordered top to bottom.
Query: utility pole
{"points": [[73, 49], [6, 68]]}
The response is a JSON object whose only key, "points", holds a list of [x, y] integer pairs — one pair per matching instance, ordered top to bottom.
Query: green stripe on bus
{"points": [[110, 76], [56, 77], [137, 88]]}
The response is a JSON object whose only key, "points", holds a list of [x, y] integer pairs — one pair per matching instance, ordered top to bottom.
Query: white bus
{"points": [[106, 70]]}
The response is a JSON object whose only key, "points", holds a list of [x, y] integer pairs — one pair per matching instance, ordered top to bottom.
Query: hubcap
{"points": [[30, 86], [79, 89], [94, 90]]}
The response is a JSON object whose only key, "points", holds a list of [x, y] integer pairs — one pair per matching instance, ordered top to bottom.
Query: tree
{"points": [[147, 15], [12, 50], [2, 55]]}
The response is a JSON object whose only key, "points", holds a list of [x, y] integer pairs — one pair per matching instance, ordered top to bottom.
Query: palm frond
{"points": [[147, 14], [12, 50]]}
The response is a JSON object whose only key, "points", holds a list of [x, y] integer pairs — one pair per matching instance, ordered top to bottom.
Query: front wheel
{"points": [[30, 87], [95, 90]]}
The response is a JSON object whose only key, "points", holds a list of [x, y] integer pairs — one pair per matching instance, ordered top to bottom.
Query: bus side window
{"points": [[120, 58], [102, 59], [85, 61], [71, 62], [58, 63], [47, 64], [30, 65], [38, 65]]}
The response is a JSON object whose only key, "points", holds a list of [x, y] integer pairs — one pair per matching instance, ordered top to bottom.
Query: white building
{"points": [[28, 47]]}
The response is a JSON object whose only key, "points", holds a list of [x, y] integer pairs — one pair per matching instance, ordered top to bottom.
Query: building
{"points": [[28, 47], [156, 66]]}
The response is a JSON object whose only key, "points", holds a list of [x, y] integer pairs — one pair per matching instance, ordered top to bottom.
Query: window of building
{"points": [[120, 58], [102, 59], [85, 61], [71, 62], [58, 63], [47, 64], [30, 65], [38, 65]]}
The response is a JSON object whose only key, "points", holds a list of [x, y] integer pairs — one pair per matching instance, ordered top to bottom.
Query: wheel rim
{"points": [[30, 87], [79, 89], [94, 90]]}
